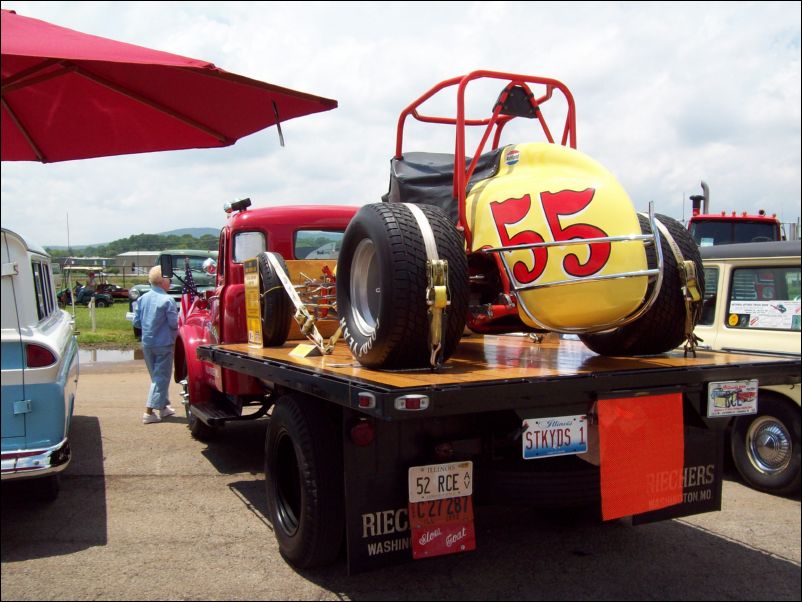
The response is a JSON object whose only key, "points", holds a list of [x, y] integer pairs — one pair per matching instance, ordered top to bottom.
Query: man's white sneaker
{"points": [[167, 411], [148, 418]]}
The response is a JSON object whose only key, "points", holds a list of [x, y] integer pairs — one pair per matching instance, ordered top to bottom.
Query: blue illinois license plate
{"points": [[557, 436]]}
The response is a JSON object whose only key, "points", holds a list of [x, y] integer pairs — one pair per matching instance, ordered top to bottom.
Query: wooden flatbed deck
{"points": [[502, 367]]}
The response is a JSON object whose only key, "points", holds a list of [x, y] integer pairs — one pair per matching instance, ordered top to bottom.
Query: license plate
{"points": [[732, 398], [557, 436], [440, 481], [442, 527]]}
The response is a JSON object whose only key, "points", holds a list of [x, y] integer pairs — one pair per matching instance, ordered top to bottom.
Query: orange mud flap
{"points": [[654, 466]]}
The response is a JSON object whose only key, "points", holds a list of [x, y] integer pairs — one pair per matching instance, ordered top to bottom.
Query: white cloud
{"points": [[667, 94]]}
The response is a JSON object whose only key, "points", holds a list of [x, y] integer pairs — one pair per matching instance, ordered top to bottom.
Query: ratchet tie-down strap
{"points": [[691, 292], [437, 293]]}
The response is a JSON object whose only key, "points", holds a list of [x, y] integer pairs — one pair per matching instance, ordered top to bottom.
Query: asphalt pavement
{"points": [[148, 513]]}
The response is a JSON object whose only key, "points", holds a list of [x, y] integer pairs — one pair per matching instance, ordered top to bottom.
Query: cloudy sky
{"points": [[667, 95]]}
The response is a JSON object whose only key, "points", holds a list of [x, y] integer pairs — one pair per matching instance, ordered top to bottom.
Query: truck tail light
{"points": [[37, 356], [367, 401], [413, 403], [363, 433]]}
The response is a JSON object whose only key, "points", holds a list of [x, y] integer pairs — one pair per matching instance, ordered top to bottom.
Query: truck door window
{"points": [[248, 244], [317, 244], [765, 298], [709, 304]]}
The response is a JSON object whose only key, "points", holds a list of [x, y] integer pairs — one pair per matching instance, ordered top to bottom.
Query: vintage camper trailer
{"points": [[39, 368]]}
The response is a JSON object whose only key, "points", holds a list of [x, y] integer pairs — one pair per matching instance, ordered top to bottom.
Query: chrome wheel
{"points": [[366, 288], [768, 445]]}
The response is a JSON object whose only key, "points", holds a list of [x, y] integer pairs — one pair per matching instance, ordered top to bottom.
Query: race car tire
{"points": [[382, 281], [276, 306], [662, 328], [765, 446], [303, 480]]}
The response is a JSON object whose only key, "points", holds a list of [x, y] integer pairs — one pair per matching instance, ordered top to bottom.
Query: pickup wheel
{"points": [[381, 289], [276, 304], [662, 328], [765, 446], [304, 483]]}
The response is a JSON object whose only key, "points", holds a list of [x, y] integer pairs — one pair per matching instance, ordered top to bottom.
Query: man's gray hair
{"points": [[155, 275]]}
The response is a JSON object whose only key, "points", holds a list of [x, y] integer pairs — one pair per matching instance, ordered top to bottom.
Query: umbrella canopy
{"points": [[69, 95]]}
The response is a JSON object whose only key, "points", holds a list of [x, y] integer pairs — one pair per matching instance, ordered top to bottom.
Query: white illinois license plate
{"points": [[732, 398], [557, 436], [440, 481]]}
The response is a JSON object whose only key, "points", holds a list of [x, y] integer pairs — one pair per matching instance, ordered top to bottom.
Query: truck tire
{"points": [[381, 288], [276, 304], [662, 328], [765, 446], [304, 481]]}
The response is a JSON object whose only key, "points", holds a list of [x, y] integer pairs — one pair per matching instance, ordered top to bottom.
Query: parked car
{"points": [[115, 290], [752, 303], [39, 368]]}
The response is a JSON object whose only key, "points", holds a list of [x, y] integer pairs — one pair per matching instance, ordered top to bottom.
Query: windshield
{"points": [[707, 233]]}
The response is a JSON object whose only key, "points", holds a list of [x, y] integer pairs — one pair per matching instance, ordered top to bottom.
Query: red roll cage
{"points": [[515, 100]]}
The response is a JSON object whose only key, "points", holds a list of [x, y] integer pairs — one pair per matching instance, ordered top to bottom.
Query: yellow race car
{"points": [[534, 237]]}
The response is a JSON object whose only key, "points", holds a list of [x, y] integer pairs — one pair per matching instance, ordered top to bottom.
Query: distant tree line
{"points": [[141, 242]]}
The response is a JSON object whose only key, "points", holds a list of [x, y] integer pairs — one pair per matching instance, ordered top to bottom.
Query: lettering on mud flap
{"points": [[697, 484], [385, 531]]}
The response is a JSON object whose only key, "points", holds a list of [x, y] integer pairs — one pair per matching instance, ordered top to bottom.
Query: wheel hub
{"points": [[768, 444]]}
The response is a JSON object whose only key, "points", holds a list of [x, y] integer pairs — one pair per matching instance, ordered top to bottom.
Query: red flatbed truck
{"points": [[343, 438]]}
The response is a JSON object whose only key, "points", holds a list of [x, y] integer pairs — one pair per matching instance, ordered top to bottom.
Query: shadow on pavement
{"points": [[78, 516]]}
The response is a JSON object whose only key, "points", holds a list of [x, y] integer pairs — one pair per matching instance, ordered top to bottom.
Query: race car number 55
{"points": [[440, 481]]}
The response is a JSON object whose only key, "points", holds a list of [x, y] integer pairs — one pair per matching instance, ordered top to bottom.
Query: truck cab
{"points": [[709, 229], [218, 315]]}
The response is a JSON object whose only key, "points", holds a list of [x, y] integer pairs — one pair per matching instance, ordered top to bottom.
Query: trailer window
{"points": [[317, 244], [248, 245], [42, 283], [765, 299]]}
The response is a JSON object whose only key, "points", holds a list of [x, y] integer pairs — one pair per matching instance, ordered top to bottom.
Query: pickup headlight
{"points": [[133, 294]]}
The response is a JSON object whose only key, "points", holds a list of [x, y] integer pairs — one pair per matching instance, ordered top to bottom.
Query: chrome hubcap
{"points": [[365, 288], [768, 444]]}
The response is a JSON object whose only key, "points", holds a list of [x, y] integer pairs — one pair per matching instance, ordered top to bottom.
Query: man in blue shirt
{"points": [[157, 316]]}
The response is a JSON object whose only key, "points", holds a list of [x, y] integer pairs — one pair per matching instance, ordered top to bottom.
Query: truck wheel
{"points": [[381, 289], [101, 303], [276, 304], [662, 328], [765, 446], [304, 481]]}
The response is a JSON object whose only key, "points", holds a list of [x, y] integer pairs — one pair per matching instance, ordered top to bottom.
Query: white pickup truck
{"points": [[752, 303]]}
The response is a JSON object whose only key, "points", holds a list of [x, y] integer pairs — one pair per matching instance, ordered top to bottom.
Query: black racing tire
{"points": [[381, 286], [276, 305], [662, 328], [197, 428], [765, 446], [304, 480]]}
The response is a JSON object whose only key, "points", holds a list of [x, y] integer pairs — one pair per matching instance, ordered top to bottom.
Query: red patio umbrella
{"points": [[69, 95]]}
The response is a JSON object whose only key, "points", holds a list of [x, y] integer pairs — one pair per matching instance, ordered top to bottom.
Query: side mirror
{"points": [[166, 263], [210, 266]]}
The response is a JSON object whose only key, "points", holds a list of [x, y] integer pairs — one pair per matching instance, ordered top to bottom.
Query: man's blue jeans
{"points": [[159, 361]]}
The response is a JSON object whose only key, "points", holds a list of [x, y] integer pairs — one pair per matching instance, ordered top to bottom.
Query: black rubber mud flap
{"points": [[381, 286], [275, 303], [662, 328], [304, 480]]}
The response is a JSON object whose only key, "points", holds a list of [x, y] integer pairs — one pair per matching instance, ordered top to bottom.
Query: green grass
{"points": [[111, 327]]}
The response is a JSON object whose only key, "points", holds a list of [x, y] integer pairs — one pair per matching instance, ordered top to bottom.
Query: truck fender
{"points": [[187, 364]]}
